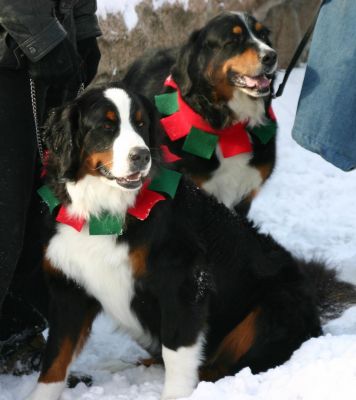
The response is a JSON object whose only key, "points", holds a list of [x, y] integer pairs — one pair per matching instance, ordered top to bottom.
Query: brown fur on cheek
{"points": [[247, 63], [222, 90], [92, 162]]}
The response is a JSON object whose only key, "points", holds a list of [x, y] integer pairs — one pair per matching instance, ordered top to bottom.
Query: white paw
{"points": [[47, 391], [172, 392], [176, 393]]}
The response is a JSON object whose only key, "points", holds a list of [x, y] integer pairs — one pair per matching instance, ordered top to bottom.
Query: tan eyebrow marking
{"points": [[258, 26], [237, 30], [111, 115], [138, 116]]}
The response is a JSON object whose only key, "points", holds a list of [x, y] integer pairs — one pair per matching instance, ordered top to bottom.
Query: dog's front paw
{"points": [[174, 393]]}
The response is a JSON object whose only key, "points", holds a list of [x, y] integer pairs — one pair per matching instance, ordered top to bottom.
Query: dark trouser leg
{"points": [[17, 164], [20, 214], [28, 283], [22, 288]]}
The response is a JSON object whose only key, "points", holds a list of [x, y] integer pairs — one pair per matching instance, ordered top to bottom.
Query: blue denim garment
{"points": [[326, 116]]}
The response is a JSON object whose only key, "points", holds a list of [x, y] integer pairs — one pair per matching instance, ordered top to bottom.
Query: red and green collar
{"points": [[201, 138], [166, 182]]}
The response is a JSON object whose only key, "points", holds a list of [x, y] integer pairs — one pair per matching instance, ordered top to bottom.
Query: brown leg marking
{"points": [[265, 170], [138, 257], [86, 329], [236, 344], [69, 347], [68, 350], [58, 369]]}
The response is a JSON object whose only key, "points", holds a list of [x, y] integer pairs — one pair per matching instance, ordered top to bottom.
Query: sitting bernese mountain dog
{"points": [[220, 128], [191, 281]]}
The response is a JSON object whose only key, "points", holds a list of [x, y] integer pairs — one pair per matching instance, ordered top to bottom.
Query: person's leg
{"points": [[326, 118], [17, 164], [22, 288]]}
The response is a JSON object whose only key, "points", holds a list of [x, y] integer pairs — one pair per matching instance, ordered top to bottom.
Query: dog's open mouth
{"points": [[256, 86], [132, 181]]}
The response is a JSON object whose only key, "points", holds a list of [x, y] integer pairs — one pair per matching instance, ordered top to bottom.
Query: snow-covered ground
{"points": [[308, 205]]}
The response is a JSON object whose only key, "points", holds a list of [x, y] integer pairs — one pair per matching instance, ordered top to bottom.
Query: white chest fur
{"points": [[233, 180], [102, 268]]}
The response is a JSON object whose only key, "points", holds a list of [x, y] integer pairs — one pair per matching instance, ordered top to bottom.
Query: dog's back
{"points": [[148, 73]]}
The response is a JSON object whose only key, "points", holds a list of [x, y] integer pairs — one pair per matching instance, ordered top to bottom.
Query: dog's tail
{"points": [[333, 294]]}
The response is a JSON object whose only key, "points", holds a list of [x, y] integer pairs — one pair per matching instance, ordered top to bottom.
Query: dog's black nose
{"points": [[269, 59], [139, 157]]}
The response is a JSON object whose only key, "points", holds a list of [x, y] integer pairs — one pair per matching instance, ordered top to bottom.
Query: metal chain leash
{"points": [[81, 89], [35, 115], [35, 119]]}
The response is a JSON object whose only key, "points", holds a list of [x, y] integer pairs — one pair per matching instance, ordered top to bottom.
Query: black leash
{"points": [[298, 53]]}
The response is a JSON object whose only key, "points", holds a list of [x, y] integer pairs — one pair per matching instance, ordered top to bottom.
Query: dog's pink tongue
{"points": [[258, 81]]}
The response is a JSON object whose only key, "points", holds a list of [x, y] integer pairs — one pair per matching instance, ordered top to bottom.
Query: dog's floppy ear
{"points": [[180, 71], [156, 132], [59, 136]]}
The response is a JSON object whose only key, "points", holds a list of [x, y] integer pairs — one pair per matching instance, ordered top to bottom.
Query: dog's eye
{"points": [[263, 35], [230, 43], [211, 44], [140, 124], [107, 126]]}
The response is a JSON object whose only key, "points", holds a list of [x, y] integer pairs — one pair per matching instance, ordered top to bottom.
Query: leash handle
{"points": [[298, 53]]}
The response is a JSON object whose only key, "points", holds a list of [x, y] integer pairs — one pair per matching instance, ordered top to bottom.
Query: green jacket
{"points": [[29, 29]]}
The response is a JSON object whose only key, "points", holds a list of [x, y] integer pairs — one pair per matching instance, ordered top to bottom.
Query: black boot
{"points": [[21, 339]]}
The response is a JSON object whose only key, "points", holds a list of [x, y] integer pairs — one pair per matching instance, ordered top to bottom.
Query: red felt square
{"points": [[175, 126], [234, 140], [168, 156], [145, 201], [65, 218]]}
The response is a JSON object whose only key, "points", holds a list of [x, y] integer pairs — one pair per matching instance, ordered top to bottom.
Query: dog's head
{"points": [[232, 52], [108, 133]]}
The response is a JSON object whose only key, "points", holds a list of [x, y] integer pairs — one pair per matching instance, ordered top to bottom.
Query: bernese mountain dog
{"points": [[223, 76], [191, 281]]}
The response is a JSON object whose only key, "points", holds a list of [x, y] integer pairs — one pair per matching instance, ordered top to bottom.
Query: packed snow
{"points": [[308, 206]]}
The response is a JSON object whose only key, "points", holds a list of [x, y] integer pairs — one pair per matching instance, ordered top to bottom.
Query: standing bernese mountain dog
{"points": [[223, 77], [191, 281]]}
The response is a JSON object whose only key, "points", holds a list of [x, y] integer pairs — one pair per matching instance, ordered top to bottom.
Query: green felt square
{"points": [[167, 103], [265, 132], [200, 143], [166, 181], [48, 197], [106, 224]]}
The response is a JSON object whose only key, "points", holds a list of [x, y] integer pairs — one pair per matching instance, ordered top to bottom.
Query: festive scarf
{"points": [[201, 138], [166, 181]]}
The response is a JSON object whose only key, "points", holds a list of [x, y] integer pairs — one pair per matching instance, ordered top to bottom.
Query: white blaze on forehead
{"points": [[263, 47], [128, 138]]}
